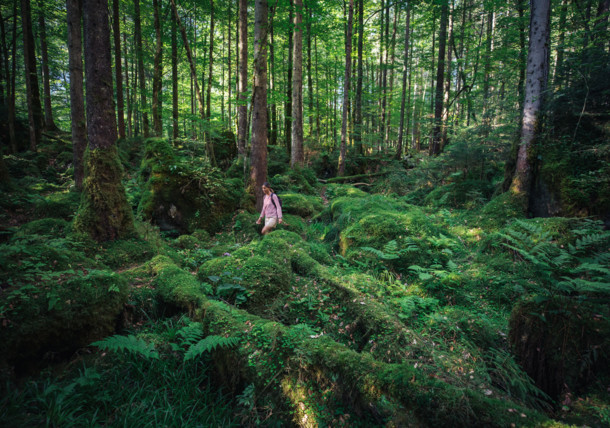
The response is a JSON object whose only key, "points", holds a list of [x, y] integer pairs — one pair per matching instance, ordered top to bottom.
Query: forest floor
{"points": [[374, 307]]}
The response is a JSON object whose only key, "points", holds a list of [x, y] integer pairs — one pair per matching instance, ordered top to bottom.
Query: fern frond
{"points": [[589, 241], [592, 267], [583, 286], [191, 333], [130, 344], [209, 344]]}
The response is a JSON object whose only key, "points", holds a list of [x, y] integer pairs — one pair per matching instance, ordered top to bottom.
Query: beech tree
{"points": [[535, 86], [297, 156], [104, 212]]}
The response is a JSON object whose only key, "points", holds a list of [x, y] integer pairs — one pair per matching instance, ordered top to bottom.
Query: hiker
{"points": [[272, 209]]}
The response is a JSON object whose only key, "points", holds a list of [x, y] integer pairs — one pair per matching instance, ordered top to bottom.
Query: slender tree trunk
{"points": [[315, 45], [522, 53], [140, 59], [558, 69], [118, 72], [157, 72], [309, 74], [537, 75], [174, 78], [486, 80], [10, 81], [272, 84], [346, 86], [404, 86], [128, 90], [447, 90], [208, 97], [77, 103], [288, 104], [242, 106], [230, 112], [35, 117], [49, 122], [358, 128], [388, 128], [435, 147], [297, 157], [258, 163], [104, 212]]}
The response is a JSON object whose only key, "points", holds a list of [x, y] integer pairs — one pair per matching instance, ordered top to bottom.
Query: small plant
{"points": [[229, 289], [130, 344]]}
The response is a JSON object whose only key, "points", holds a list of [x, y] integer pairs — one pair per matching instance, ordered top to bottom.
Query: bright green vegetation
{"points": [[369, 308]]}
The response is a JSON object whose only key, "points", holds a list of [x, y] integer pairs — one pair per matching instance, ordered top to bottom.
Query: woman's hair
{"points": [[268, 186]]}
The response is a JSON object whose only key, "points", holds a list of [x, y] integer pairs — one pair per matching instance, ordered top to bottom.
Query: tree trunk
{"points": [[522, 54], [140, 59], [229, 67], [118, 72], [157, 72], [309, 74], [537, 76], [10, 77], [174, 78], [486, 79], [272, 84], [346, 86], [404, 87], [447, 89], [128, 91], [208, 96], [77, 103], [288, 104], [242, 105], [35, 117], [49, 122], [358, 128], [388, 128], [435, 147], [258, 157], [297, 157], [104, 213]]}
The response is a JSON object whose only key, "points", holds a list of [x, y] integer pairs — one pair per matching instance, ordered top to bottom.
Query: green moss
{"points": [[299, 180], [182, 193], [461, 194], [57, 205], [301, 205], [501, 209], [104, 213], [46, 226], [187, 242], [125, 252], [176, 286], [62, 314]]}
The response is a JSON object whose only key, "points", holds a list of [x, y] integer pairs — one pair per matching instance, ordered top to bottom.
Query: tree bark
{"points": [[140, 59], [118, 71], [157, 72], [309, 74], [537, 76], [174, 78], [10, 80], [272, 84], [346, 86], [404, 86], [208, 97], [77, 102], [242, 104], [288, 104], [35, 117], [49, 121], [358, 128], [435, 147], [297, 156], [258, 157], [104, 212]]}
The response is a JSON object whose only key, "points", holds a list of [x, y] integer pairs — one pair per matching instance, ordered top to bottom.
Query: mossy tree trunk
{"points": [[77, 102], [104, 213]]}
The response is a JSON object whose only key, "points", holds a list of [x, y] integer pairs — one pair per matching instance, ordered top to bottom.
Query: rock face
{"points": [[182, 195]]}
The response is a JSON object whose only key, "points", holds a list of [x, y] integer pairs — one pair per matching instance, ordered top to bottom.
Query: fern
{"points": [[191, 333], [130, 344], [209, 344]]}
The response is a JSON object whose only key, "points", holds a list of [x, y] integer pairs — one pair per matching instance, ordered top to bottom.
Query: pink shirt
{"points": [[270, 210]]}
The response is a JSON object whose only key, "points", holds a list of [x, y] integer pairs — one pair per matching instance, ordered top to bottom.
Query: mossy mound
{"points": [[20, 167], [299, 180], [336, 190], [184, 195], [301, 205], [501, 209], [104, 213], [51, 227], [125, 252], [58, 315], [561, 342]]}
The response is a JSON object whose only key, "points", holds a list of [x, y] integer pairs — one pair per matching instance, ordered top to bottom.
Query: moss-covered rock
{"points": [[300, 180], [182, 194], [62, 205], [301, 205], [125, 252], [66, 311]]}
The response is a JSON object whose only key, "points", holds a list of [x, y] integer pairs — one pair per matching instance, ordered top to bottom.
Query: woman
{"points": [[272, 210]]}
